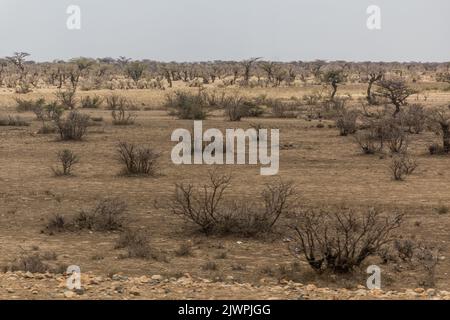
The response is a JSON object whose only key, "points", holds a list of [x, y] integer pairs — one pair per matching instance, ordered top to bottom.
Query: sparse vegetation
{"points": [[68, 159], [137, 160], [340, 239]]}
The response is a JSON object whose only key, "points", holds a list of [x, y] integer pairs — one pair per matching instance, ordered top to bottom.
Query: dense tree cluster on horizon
{"points": [[123, 73]]}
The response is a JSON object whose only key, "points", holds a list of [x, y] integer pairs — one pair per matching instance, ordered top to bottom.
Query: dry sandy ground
{"points": [[326, 168]]}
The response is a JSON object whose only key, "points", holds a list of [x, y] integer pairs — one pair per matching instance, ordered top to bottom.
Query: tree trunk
{"points": [[334, 85], [445, 138]]}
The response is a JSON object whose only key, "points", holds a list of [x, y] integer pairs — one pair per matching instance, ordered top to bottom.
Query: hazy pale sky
{"points": [[199, 30]]}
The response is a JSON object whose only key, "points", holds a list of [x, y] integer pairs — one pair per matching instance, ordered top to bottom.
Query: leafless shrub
{"points": [[67, 99], [91, 103], [29, 105], [186, 105], [234, 107], [281, 109], [122, 117], [414, 118], [13, 121], [346, 122], [73, 127], [397, 139], [368, 142], [68, 159], [137, 160], [402, 165], [205, 206], [107, 215], [56, 224], [340, 239], [137, 244], [405, 249], [184, 250], [428, 257], [29, 263]]}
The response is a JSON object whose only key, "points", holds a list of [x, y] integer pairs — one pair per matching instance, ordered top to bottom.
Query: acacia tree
{"points": [[18, 59], [248, 64], [268, 67], [135, 70], [333, 77], [444, 77], [372, 78], [396, 91], [440, 118]]}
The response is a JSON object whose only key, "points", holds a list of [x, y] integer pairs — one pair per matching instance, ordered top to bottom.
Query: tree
{"points": [[18, 59], [248, 64], [268, 67], [135, 70], [333, 77], [443, 77], [372, 78], [396, 91], [440, 118]]}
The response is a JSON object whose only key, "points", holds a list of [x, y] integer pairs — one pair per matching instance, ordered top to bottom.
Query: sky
{"points": [[205, 30]]}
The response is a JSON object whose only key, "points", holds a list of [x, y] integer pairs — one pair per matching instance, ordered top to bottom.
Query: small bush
{"points": [[67, 99], [91, 103], [29, 105], [185, 105], [234, 108], [282, 109], [122, 117], [414, 118], [12, 121], [346, 122], [74, 127], [397, 139], [368, 142], [68, 159], [137, 160], [402, 165], [205, 206], [107, 215], [56, 224], [340, 239], [137, 244], [405, 249], [184, 250], [29, 263]]}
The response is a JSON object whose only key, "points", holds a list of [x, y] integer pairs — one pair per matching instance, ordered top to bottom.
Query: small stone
{"points": [[29, 275], [157, 277], [311, 287], [360, 287], [119, 289], [9, 290], [419, 290], [35, 291], [80, 291], [135, 291], [69, 294]]}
